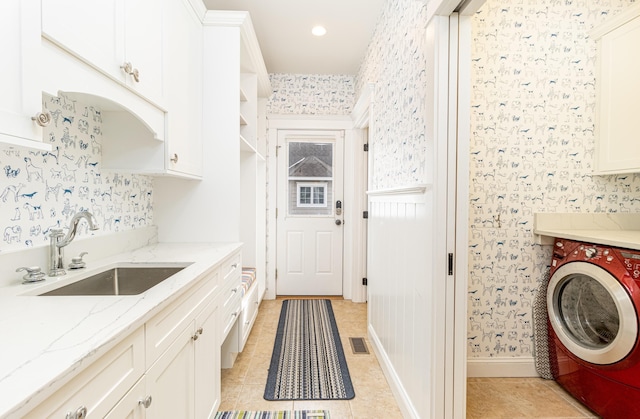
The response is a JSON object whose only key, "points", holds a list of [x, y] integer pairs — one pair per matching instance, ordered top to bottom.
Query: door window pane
{"points": [[310, 178], [311, 194]]}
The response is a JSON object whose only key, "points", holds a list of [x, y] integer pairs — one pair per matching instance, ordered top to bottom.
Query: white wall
{"points": [[532, 145]]}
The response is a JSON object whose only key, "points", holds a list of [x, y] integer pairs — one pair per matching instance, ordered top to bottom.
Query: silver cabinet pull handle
{"points": [[43, 119], [174, 158]]}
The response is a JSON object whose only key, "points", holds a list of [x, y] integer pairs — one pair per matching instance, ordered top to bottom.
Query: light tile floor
{"points": [[243, 385], [487, 398], [493, 398]]}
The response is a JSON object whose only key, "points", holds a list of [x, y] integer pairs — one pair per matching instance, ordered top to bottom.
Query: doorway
{"points": [[309, 215]]}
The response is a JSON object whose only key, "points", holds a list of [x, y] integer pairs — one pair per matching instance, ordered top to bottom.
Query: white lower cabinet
{"points": [[207, 363], [167, 369], [170, 381], [185, 381], [97, 389]]}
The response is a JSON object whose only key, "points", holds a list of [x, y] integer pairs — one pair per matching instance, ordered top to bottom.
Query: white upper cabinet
{"points": [[122, 39], [184, 92], [618, 93], [21, 98], [130, 147]]}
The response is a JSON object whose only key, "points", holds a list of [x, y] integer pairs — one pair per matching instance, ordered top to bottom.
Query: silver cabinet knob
{"points": [[129, 70], [43, 119], [146, 402], [80, 413]]}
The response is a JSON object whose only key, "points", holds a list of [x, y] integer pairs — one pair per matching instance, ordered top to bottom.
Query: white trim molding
{"points": [[252, 62], [362, 109], [403, 190], [501, 367], [400, 394]]}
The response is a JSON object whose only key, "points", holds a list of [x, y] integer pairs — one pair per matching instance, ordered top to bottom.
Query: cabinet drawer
{"points": [[232, 268], [230, 314], [163, 328], [99, 387]]}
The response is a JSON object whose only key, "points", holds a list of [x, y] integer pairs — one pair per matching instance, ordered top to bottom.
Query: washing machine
{"points": [[593, 301]]}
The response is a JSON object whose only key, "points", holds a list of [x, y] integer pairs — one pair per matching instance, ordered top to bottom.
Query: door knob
{"points": [[338, 222]]}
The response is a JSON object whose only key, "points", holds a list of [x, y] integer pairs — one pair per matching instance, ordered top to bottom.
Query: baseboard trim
{"points": [[501, 367], [401, 396]]}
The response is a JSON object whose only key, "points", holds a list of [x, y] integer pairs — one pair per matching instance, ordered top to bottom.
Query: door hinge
{"points": [[366, 146], [276, 212], [365, 214], [450, 263], [276, 274], [364, 281]]}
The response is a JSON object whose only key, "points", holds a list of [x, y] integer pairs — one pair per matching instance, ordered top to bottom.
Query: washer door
{"points": [[591, 313]]}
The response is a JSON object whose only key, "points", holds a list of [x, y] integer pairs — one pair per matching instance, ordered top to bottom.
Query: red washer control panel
{"points": [[614, 260]]}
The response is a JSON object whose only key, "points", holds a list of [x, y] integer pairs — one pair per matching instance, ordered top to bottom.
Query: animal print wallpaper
{"points": [[395, 61], [311, 94], [532, 146], [42, 190]]}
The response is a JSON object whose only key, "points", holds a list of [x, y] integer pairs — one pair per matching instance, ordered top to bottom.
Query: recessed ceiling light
{"points": [[318, 30]]}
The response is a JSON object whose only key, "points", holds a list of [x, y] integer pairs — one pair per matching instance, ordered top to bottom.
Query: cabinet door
{"points": [[91, 30], [107, 34], [144, 45], [184, 92], [21, 98], [617, 122], [207, 362], [170, 380]]}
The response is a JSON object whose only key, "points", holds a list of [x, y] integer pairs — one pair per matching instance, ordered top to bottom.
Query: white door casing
{"points": [[309, 226]]}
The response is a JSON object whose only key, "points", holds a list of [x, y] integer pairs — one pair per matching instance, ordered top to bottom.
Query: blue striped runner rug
{"points": [[308, 361], [282, 414]]}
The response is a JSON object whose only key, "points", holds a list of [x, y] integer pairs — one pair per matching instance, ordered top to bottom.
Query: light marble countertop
{"points": [[612, 229], [48, 340]]}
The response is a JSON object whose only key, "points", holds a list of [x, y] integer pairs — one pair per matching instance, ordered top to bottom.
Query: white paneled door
{"points": [[309, 213]]}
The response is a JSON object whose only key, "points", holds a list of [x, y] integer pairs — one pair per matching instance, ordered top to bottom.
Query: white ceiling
{"points": [[283, 28]]}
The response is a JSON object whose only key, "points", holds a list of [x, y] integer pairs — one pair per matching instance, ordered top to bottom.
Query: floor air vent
{"points": [[358, 346]]}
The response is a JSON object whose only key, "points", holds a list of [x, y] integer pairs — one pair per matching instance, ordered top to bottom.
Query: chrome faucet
{"points": [[58, 240]]}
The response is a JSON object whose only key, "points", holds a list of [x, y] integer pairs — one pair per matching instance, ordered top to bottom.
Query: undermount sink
{"points": [[122, 280]]}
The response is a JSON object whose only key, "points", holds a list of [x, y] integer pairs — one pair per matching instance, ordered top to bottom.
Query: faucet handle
{"points": [[77, 262], [34, 274]]}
